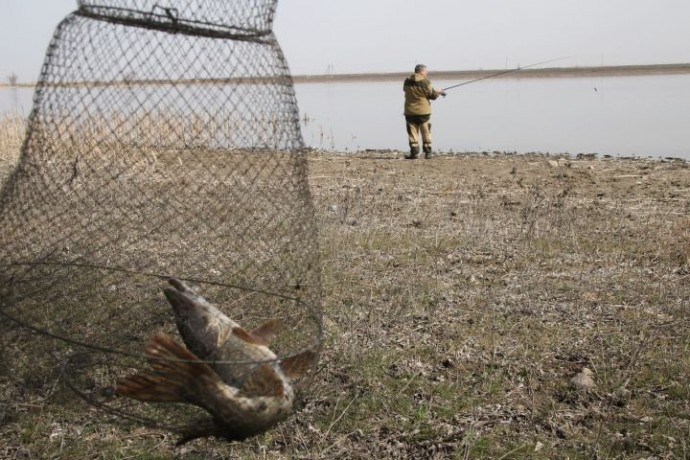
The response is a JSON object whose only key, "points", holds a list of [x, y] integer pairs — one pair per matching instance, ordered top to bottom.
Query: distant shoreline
{"points": [[551, 72]]}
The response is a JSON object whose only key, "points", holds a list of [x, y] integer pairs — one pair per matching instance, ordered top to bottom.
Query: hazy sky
{"points": [[392, 35]]}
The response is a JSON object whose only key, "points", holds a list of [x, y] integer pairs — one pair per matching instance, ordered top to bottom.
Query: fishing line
{"points": [[486, 77]]}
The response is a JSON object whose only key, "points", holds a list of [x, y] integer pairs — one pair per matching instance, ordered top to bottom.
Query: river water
{"points": [[618, 116]]}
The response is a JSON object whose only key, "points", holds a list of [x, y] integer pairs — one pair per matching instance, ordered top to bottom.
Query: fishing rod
{"points": [[502, 73]]}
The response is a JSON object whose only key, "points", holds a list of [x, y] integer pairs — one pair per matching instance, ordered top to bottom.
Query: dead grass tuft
{"points": [[12, 130]]}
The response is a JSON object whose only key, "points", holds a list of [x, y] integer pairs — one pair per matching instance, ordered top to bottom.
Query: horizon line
{"points": [[614, 70], [575, 71]]}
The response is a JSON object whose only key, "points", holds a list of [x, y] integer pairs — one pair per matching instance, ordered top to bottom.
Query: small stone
{"points": [[583, 380]]}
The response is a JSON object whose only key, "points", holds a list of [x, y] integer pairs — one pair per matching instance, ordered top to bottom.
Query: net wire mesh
{"points": [[164, 141]]}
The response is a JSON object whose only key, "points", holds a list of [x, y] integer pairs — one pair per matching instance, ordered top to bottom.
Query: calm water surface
{"points": [[619, 116], [626, 116]]}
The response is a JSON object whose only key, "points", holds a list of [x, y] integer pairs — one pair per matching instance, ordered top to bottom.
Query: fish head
{"points": [[202, 326]]}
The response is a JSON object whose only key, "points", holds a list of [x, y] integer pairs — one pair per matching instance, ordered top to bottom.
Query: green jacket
{"points": [[418, 93]]}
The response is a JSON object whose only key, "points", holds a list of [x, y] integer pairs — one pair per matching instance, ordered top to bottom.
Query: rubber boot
{"points": [[427, 151], [414, 152]]}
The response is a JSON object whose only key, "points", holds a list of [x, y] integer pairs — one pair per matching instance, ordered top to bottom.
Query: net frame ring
{"points": [[233, 19]]}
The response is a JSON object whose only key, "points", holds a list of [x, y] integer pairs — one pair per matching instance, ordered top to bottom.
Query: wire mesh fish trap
{"points": [[164, 141]]}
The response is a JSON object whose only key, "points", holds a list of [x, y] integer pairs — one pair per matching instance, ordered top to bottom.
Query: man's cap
{"points": [[419, 67]]}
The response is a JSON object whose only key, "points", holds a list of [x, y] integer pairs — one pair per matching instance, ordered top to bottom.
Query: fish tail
{"points": [[177, 375]]}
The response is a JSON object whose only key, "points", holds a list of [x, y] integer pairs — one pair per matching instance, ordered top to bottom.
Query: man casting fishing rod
{"points": [[418, 92]]}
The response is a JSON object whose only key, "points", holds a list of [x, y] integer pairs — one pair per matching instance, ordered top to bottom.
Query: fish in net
{"points": [[163, 147]]}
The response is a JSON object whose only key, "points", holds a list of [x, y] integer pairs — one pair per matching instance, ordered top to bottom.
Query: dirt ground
{"points": [[465, 292], [461, 296]]}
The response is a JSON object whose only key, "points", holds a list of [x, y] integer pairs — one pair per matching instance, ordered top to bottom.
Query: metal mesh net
{"points": [[164, 141]]}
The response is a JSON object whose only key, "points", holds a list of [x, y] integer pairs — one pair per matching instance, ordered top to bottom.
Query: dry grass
{"points": [[12, 128], [464, 293], [461, 295]]}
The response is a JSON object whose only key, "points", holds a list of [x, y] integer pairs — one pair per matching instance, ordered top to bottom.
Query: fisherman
{"points": [[418, 93]]}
